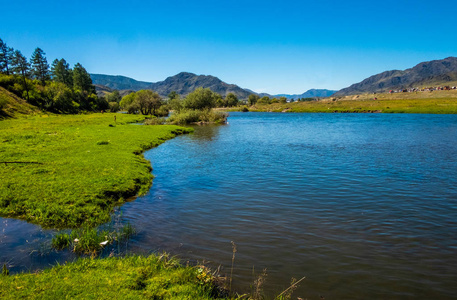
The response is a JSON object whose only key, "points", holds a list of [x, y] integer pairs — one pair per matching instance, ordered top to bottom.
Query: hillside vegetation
{"points": [[11, 106]]}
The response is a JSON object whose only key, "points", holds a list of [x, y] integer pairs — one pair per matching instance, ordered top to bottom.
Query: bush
{"points": [[114, 107], [197, 116], [155, 121]]}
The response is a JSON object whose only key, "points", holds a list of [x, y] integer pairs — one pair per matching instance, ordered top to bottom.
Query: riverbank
{"points": [[436, 102], [62, 171], [132, 277]]}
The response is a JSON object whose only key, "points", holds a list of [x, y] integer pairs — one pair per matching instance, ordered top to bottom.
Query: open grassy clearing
{"points": [[436, 102], [73, 169], [132, 277]]}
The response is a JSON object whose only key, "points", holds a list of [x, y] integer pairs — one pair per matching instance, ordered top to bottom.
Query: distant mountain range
{"points": [[435, 72], [184, 83], [313, 93]]}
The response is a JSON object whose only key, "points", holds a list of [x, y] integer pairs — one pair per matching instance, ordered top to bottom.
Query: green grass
{"points": [[437, 102], [76, 168], [91, 240], [132, 277]]}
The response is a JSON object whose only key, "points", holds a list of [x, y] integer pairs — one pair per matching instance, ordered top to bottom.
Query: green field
{"points": [[437, 102], [64, 171], [132, 277]]}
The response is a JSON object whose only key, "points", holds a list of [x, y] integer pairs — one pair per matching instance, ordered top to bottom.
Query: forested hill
{"points": [[426, 73], [182, 83]]}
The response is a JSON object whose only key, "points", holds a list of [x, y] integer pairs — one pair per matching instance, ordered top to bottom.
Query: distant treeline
{"points": [[58, 88]]}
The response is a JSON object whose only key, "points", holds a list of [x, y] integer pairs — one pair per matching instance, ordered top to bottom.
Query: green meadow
{"points": [[65, 171]]}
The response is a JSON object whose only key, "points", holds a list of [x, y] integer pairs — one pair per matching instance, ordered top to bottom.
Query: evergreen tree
{"points": [[6, 55], [20, 66], [40, 67], [61, 72], [82, 80]]}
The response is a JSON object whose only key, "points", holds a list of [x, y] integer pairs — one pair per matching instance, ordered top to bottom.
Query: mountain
{"points": [[425, 73], [119, 82], [182, 83], [103, 90], [312, 93]]}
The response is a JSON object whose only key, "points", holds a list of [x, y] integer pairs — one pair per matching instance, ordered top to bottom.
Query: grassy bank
{"points": [[437, 102], [69, 170], [134, 277]]}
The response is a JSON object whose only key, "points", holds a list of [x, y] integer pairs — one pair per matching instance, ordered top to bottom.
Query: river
{"points": [[362, 205]]}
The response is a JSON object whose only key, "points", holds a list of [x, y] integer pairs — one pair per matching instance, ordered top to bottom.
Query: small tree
{"points": [[40, 67], [173, 95], [114, 97], [201, 98], [252, 99], [127, 100], [231, 100], [264, 100], [148, 101]]}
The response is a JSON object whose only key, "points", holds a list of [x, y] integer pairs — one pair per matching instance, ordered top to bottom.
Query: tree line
{"points": [[56, 88]]}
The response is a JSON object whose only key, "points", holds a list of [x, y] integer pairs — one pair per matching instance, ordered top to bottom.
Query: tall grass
{"points": [[88, 240]]}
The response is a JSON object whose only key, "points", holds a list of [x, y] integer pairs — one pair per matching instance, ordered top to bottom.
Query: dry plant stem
{"points": [[233, 261], [290, 287]]}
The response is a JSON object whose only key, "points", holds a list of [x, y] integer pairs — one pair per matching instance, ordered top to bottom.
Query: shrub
{"points": [[197, 116]]}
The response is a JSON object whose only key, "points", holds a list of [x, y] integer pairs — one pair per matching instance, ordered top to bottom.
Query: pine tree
{"points": [[6, 55], [20, 66], [40, 67], [61, 72], [82, 80]]}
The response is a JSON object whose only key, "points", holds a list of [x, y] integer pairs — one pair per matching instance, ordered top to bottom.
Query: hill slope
{"points": [[425, 73], [13, 106]]}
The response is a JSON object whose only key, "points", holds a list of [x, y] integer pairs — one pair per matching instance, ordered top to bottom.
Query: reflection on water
{"points": [[363, 205]]}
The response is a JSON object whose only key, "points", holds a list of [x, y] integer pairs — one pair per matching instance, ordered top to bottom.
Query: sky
{"points": [[266, 46]]}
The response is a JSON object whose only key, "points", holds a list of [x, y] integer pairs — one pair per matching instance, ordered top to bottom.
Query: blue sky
{"points": [[267, 46]]}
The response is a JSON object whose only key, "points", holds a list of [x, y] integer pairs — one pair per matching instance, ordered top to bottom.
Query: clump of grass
{"points": [[91, 240], [61, 241], [5, 271]]}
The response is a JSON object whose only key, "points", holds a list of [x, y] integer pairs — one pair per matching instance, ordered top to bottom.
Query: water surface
{"points": [[363, 205]]}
